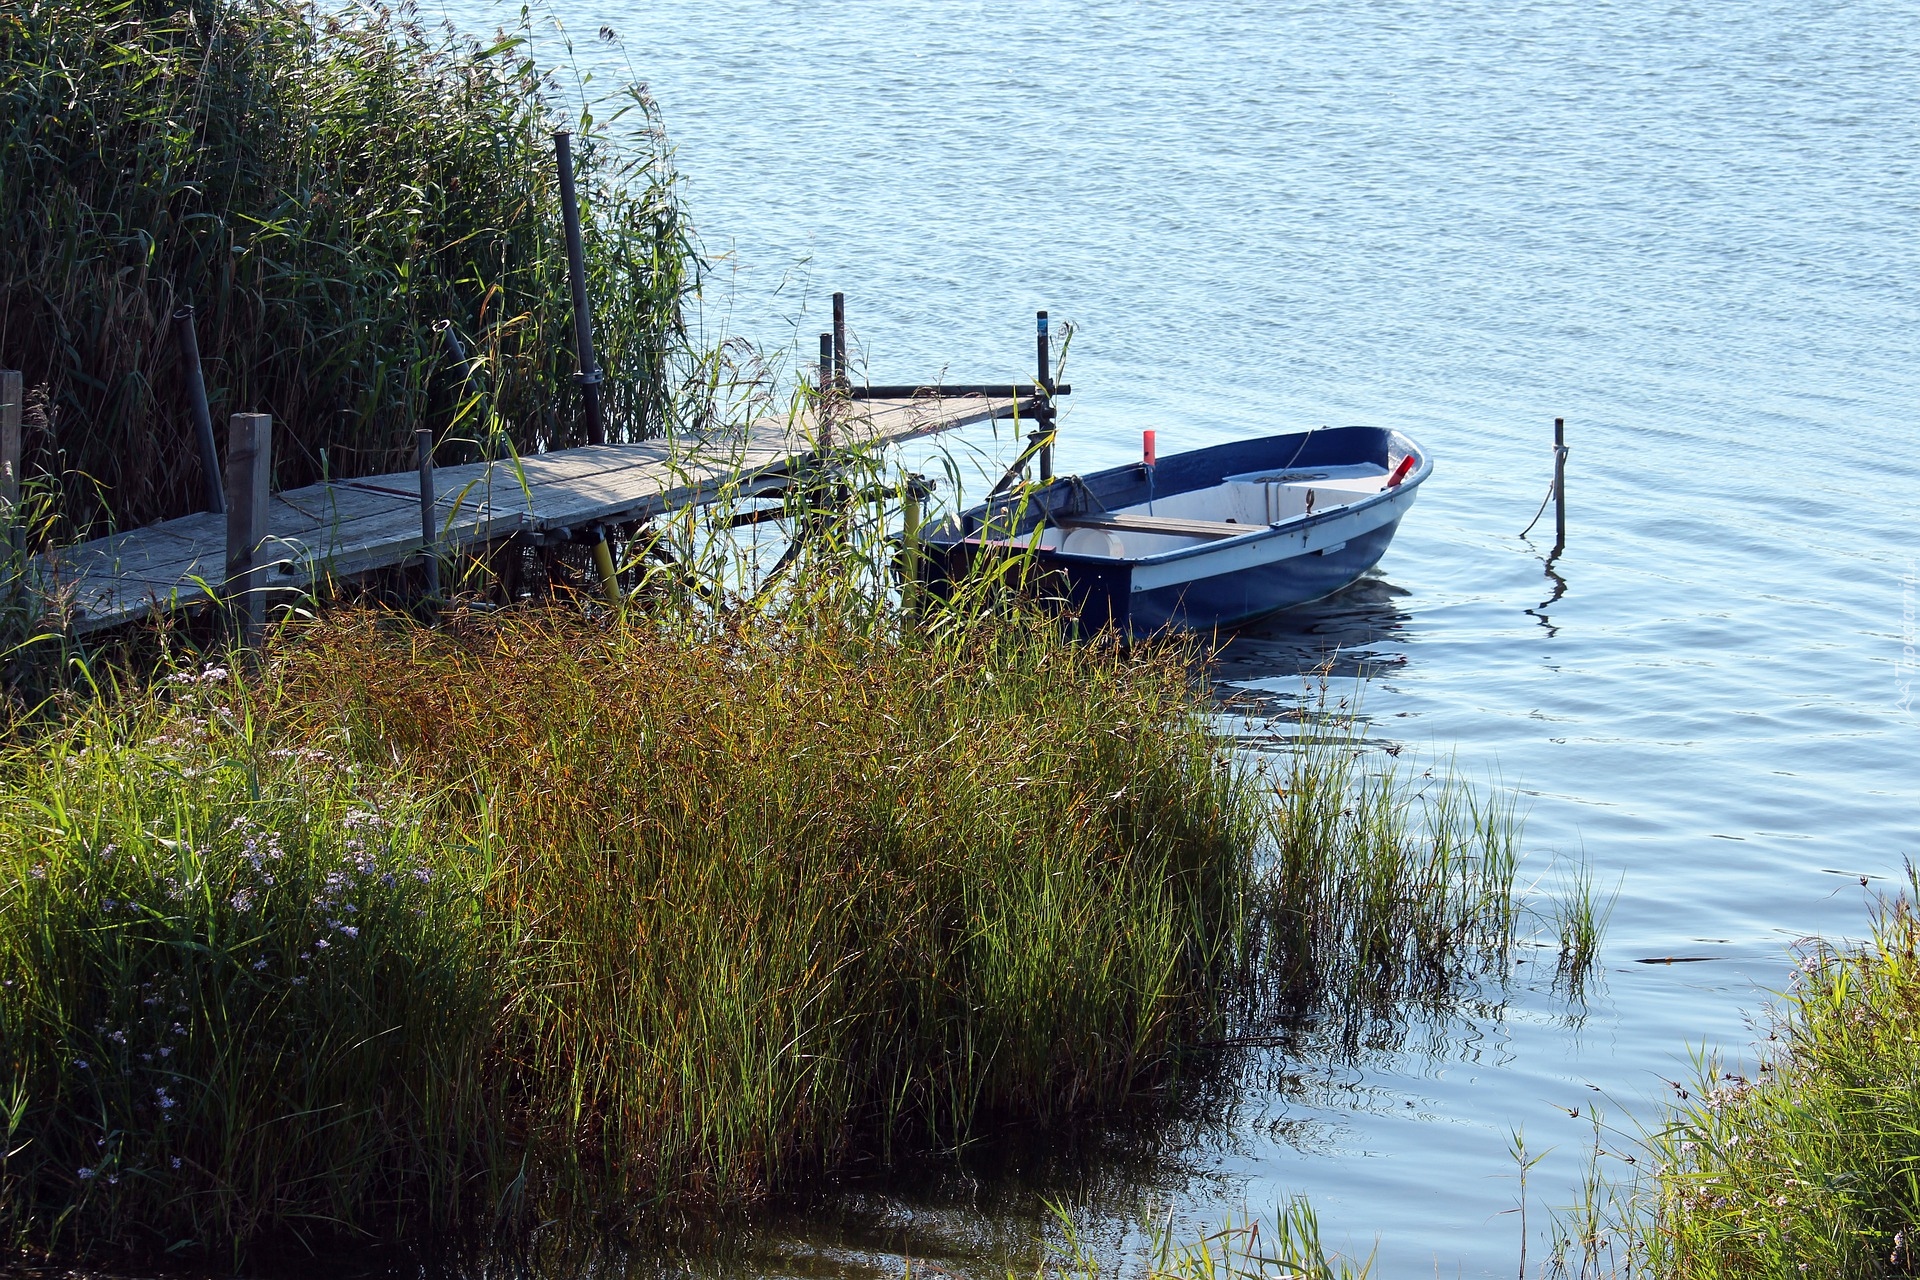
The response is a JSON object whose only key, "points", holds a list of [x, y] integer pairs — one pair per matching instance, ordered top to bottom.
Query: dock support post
{"points": [[189, 345], [588, 378], [840, 381], [826, 391], [1045, 413], [250, 481], [1559, 485], [429, 532], [603, 561]]}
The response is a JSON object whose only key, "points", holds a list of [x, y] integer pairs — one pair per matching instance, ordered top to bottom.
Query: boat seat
{"points": [[1178, 526]]}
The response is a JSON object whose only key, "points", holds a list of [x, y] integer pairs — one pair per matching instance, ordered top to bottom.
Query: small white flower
{"points": [[85, 1173]]}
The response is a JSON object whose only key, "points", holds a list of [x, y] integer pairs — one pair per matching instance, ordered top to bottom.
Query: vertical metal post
{"points": [[189, 345], [588, 377], [840, 378], [826, 391], [1045, 414], [250, 481], [1559, 484], [429, 527]]}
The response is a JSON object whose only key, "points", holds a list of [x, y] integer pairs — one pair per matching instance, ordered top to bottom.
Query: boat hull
{"points": [[1204, 583]]}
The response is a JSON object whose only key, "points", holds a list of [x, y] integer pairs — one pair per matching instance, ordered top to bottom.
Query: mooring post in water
{"points": [[189, 344], [588, 376], [840, 380], [826, 391], [1044, 413], [249, 481], [1559, 485], [429, 532]]}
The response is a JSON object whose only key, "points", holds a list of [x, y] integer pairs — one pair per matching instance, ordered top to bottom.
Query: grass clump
{"points": [[322, 187], [1379, 895], [531, 915], [1810, 1169]]}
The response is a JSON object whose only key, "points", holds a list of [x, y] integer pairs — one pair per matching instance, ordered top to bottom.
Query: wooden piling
{"points": [[249, 486], [429, 530]]}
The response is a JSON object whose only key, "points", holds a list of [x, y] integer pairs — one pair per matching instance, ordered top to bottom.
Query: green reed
{"points": [[323, 188], [531, 915], [1806, 1167]]}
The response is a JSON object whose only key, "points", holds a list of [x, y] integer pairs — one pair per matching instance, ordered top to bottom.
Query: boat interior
{"points": [[1238, 505]]}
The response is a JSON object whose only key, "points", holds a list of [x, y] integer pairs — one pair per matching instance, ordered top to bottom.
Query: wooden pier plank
{"points": [[347, 527]]}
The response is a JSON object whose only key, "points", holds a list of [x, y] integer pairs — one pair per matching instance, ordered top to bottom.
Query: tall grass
{"points": [[322, 187], [1378, 895], [530, 916], [1808, 1168]]}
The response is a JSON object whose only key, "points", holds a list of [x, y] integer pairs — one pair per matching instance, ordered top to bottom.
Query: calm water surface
{"points": [[1688, 229]]}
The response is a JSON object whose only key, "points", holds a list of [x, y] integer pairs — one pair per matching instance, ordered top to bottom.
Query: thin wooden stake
{"points": [[249, 486]]}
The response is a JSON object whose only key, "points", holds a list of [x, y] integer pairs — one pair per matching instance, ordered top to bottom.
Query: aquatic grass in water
{"points": [[1805, 1168]]}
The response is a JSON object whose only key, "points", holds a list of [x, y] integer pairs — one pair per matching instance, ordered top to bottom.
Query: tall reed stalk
{"points": [[322, 187]]}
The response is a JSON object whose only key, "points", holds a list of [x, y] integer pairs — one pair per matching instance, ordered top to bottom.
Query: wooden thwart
{"points": [[1160, 524], [308, 537]]}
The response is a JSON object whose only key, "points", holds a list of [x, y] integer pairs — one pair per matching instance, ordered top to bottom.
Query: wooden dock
{"points": [[328, 533]]}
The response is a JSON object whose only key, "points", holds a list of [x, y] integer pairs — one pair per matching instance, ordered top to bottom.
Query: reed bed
{"points": [[322, 187], [534, 916]]}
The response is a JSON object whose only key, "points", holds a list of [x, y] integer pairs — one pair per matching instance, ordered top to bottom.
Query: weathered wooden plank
{"points": [[343, 528]]}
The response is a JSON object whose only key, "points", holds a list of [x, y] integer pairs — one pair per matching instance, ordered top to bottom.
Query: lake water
{"points": [[1691, 230]]}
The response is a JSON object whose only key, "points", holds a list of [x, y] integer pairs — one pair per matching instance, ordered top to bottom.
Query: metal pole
{"points": [[183, 334], [840, 340], [588, 377], [1045, 378], [826, 391], [250, 479], [1559, 484], [429, 531]]}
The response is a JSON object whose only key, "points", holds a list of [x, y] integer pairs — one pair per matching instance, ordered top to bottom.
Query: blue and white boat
{"points": [[1203, 540]]}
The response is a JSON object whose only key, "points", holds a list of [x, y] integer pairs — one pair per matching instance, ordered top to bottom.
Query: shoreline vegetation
{"points": [[322, 187], [422, 933]]}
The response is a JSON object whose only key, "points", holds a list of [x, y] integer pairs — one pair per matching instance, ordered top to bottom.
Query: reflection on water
{"points": [[1353, 634]]}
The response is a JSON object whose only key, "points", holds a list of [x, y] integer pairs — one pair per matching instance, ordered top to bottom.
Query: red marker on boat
{"points": [[1146, 448], [1400, 472]]}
